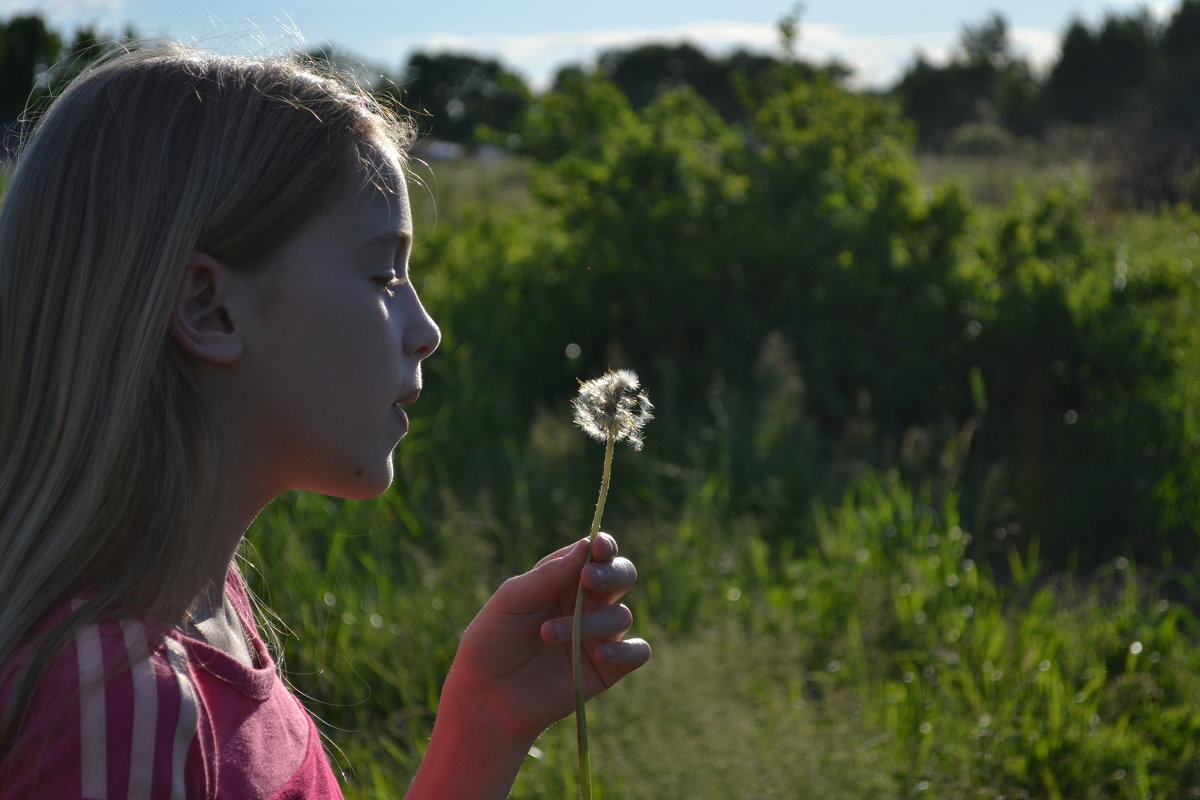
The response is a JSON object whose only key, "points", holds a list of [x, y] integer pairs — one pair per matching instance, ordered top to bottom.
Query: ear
{"points": [[201, 323]]}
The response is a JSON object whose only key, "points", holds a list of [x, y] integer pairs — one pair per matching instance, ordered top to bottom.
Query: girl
{"points": [[205, 301]]}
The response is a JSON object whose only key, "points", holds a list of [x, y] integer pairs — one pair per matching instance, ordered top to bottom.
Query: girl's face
{"points": [[334, 345]]}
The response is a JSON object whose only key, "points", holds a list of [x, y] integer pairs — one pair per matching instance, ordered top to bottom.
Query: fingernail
{"points": [[601, 578], [562, 631]]}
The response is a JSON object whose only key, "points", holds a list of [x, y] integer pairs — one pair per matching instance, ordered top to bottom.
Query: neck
{"points": [[226, 536], [210, 616]]}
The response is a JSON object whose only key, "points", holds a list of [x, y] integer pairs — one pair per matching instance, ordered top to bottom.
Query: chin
{"points": [[362, 483], [370, 487], [367, 494]]}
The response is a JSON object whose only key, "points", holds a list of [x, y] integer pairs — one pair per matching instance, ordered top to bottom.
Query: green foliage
{"points": [[27, 50], [37, 62], [645, 72], [1098, 72], [1130, 78], [984, 82], [453, 94], [1180, 105], [980, 139], [801, 307], [1081, 358], [909, 450], [370, 604], [881, 661], [1043, 689]]}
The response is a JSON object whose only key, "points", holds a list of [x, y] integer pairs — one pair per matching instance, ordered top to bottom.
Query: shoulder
{"points": [[116, 715]]}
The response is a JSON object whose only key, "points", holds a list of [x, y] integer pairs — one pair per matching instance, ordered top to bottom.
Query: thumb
{"points": [[546, 581]]}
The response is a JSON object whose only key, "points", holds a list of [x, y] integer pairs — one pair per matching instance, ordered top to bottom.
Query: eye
{"points": [[389, 282]]}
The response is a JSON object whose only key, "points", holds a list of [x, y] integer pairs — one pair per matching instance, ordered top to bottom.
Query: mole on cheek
{"points": [[358, 473]]}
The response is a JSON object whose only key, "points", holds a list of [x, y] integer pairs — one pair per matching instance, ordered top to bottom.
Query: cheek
{"points": [[339, 353]]}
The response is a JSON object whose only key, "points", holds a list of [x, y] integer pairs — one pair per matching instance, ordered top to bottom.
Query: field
{"points": [[919, 515], [846, 615], [876, 653]]}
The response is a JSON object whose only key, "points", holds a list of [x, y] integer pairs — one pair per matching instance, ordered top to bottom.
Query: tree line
{"points": [[35, 59], [1129, 69], [756, 241]]}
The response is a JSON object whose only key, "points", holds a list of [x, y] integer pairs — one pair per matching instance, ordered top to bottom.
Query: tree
{"points": [[789, 31], [986, 43], [87, 45], [28, 50], [1133, 60], [343, 61], [644, 72], [1098, 74], [984, 82], [733, 85], [452, 94], [1071, 94], [938, 99], [1180, 101]]}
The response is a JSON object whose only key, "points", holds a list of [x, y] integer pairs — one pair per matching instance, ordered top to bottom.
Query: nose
{"points": [[421, 335]]}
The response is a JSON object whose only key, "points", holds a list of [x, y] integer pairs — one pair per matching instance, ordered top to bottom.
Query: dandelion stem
{"points": [[610, 409], [585, 763]]}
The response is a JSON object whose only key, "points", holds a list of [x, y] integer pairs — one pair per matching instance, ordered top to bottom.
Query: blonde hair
{"points": [[106, 449]]}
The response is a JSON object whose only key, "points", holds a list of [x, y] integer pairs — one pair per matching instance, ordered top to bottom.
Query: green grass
{"points": [[996, 179], [442, 190], [863, 654], [880, 663]]}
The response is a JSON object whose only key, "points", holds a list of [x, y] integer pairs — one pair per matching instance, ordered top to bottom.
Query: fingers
{"points": [[604, 547], [566, 551], [607, 577], [609, 581], [530, 591], [606, 622], [629, 654], [614, 660]]}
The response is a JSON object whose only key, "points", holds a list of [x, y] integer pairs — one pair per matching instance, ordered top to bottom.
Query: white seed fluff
{"points": [[614, 404]]}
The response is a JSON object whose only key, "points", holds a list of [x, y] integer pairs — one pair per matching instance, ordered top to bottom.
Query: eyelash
{"points": [[390, 283]]}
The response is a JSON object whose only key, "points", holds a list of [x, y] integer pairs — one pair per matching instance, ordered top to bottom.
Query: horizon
{"points": [[536, 39]]}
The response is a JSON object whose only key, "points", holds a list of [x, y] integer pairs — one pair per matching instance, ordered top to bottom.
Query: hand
{"points": [[513, 666]]}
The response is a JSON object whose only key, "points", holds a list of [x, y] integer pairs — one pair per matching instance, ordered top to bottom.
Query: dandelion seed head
{"points": [[613, 403]]}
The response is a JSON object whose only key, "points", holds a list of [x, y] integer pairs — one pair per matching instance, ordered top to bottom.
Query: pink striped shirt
{"points": [[174, 719]]}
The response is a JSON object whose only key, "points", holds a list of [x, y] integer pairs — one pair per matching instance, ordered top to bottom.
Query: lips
{"points": [[398, 408]]}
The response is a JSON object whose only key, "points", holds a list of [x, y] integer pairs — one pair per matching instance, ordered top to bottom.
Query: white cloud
{"points": [[1162, 10], [1039, 48], [877, 60]]}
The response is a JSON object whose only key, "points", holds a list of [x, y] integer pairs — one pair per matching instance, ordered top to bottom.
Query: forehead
{"points": [[377, 186]]}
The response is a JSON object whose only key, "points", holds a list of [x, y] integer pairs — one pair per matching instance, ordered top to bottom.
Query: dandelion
{"points": [[613, 405], [612, 408]]}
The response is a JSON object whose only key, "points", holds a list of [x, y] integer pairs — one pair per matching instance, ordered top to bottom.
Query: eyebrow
{"points": [[393, 239]]}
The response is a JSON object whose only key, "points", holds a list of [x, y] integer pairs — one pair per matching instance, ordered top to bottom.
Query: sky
{"points": [[877, 38]]}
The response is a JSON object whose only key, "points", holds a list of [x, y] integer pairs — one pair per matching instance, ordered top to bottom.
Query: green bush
{"points": [[980, 139], [799, 308], [1082, 367], [860, 387], [881, 661]]}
